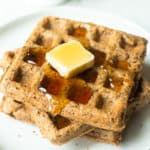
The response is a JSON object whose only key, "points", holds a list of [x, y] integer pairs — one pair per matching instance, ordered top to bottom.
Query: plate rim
{"points": [[85, 10], [36, 12]]}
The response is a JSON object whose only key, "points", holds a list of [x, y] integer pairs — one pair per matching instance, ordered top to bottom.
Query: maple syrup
{"points": [[79, 32], [84, 41], [36, 56], [100, 57], [124, 65], [89, 75], [52, 82], [114, 83], [53, 85], [57, 86], [79, 94]]}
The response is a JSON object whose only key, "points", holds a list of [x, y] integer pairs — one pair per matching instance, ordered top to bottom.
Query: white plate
{"points": [[16, 135]]}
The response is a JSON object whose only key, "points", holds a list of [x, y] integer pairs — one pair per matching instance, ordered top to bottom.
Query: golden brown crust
{"points": [[120, 48], [124, 56], [23, 112], [29, 113]]}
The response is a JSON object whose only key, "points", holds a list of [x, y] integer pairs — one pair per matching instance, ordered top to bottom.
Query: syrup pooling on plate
{"points": [[36, 56]]}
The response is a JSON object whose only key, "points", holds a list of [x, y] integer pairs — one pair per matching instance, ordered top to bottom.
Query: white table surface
{"points": [[135, 10]]}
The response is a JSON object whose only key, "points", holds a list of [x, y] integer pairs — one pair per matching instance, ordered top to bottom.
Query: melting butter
{"points": [[70, 58]]}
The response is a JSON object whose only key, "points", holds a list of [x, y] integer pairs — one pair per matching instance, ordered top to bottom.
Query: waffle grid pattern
{"points": [[123, 60]]}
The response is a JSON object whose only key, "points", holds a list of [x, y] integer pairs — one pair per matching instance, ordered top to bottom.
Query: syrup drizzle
{"points": [[79, 32], [36, 56], [100, 57], [124, 65], [89, 75], [52, 82], [114, 83], [79, 94]]}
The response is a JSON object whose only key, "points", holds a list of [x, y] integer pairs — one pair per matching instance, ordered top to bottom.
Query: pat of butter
{"points": [[70, 58]]}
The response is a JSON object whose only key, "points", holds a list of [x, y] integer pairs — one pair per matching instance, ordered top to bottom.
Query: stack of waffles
{"points": [[96, 103]]}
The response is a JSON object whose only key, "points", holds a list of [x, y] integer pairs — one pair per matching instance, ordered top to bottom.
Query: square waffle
{"points": [[105, 88], [141, 99], [28, 113], [57, 129]]}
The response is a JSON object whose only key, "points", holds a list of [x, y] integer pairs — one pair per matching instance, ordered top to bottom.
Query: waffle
{"points": [[105, 88], [140, 100], [24, 112], [30, 114], [57, 129]]}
